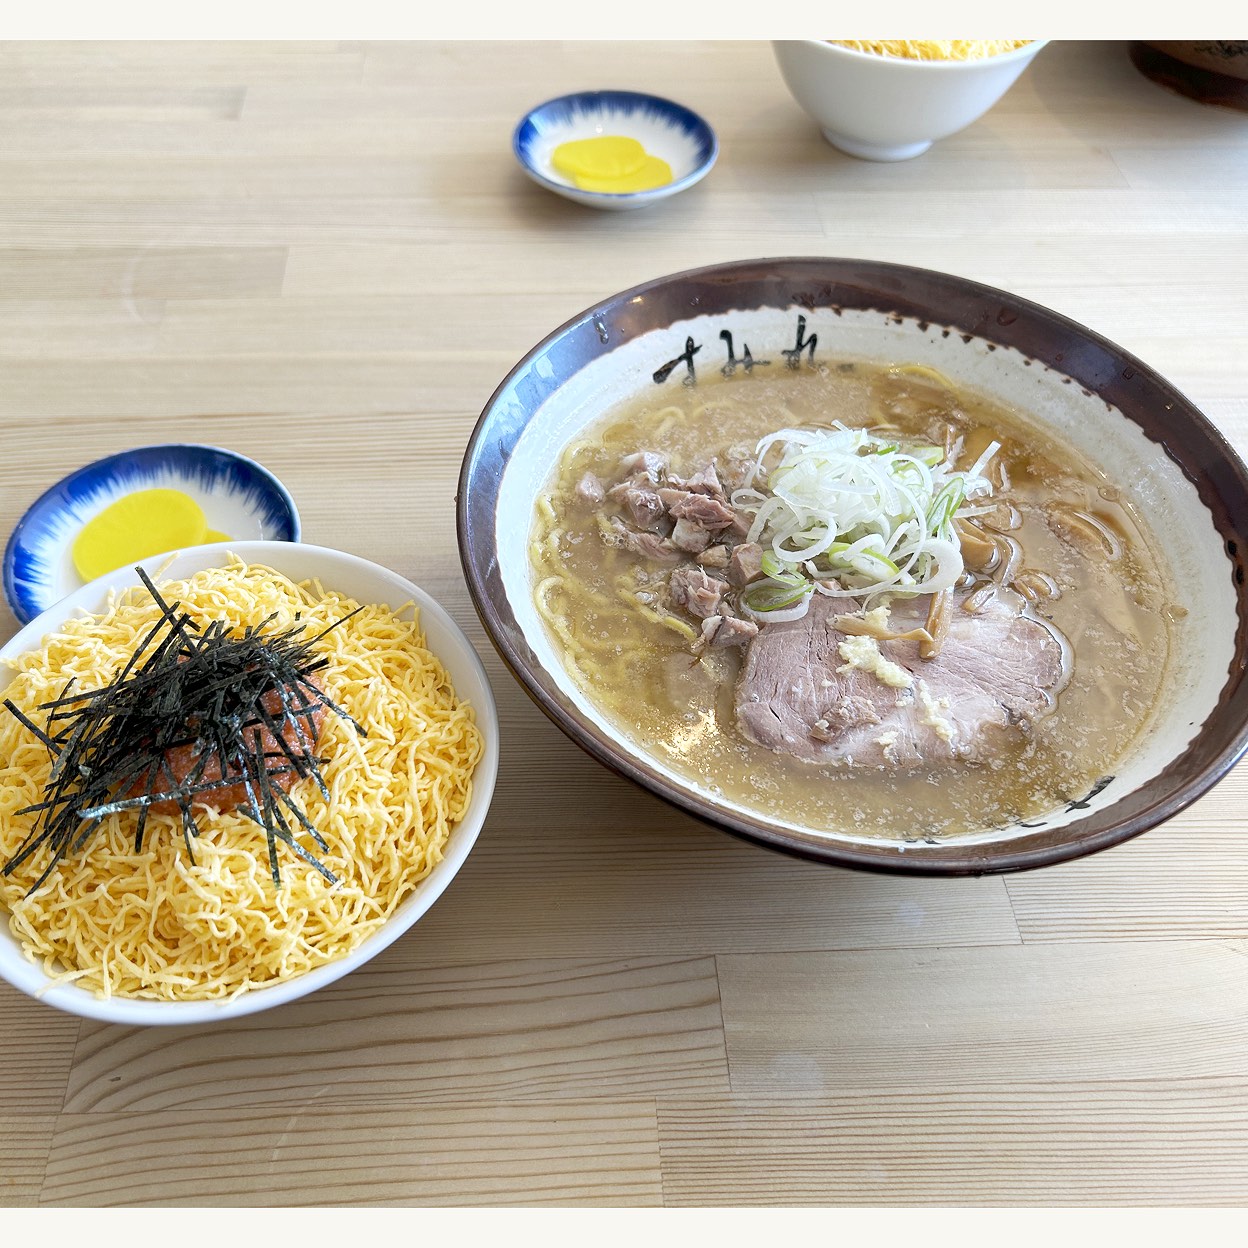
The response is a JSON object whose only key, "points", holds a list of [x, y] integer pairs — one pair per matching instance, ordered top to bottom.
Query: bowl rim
{"points": [[938, 65], [696, 121], [48, 498], [479, 558], [29, 977]]}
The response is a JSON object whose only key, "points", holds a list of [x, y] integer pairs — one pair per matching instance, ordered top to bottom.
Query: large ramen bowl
{"points": [[1141, 438], [367, 583]]}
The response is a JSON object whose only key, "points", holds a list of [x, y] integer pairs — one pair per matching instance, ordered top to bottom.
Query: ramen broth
{"points": [[1113, 604]]}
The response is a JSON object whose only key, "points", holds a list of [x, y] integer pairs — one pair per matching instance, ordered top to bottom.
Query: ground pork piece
{"points": [[649, 464], [735, 466], [704, 481], [591, 490], [642, 503], [702, 510], [690, 537], [648, 545], [715, 557], [746, 563], [694, 591], [724, 630], [733, 630]]}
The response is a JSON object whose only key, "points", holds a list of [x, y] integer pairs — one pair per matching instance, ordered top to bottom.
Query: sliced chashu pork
{"points": [[879, 704]]}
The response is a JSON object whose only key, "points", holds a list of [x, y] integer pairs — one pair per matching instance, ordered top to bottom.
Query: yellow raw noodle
{"points": [[932, 49], [927, 372], [154, 924]]}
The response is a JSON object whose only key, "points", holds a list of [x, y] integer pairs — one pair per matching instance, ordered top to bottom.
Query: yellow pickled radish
{"points": [[603, 156], [653, 172], [136, 526], [215, 535]]}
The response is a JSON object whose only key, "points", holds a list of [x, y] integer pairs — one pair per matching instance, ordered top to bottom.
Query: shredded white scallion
{"points": [[848, 514]]}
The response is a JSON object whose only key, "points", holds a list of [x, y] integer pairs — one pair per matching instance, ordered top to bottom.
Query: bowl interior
{"points": [[1099, 401], [239, 498], [366, 582]]}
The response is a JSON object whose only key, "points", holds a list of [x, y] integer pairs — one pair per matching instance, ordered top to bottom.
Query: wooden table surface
{"points": [[324, 256]]}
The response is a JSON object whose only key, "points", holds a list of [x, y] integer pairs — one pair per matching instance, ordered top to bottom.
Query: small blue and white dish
{"points": [[664, 128], [239, 497]]}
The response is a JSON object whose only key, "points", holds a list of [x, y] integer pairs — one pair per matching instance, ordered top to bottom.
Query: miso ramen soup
{"points": [[977, 643]]}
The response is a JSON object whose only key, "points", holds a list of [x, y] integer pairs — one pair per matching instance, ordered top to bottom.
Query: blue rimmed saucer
{"points": [[664, 128], [239, 497]]}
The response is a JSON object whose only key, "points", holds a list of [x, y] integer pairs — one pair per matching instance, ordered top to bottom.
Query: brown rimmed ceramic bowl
{"points": [[1151, 441]]}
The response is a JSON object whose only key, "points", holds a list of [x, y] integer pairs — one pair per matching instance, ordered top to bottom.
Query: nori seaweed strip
{"points": [[166, 610], [329, 628], [121, 676], [119, 680], [203, 690], [327, 701], [298, 718], [39, 732], [64, 754], [300, 762], [175, 795], [143, 812], [257, 813], [308, 826], [277, 828], [190, 830], [33, 841], [58, 854]]}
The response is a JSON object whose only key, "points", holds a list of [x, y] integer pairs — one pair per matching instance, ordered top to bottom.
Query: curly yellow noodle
{"points": [[933, 49], [925, 370], [710, 407], [673, 411], [667, 417], [573, 450], [629, 597], [678, 626], [155, 923]]}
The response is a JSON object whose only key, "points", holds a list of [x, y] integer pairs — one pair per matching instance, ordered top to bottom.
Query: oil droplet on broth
{"points": [[610, 163], [137, 526]]}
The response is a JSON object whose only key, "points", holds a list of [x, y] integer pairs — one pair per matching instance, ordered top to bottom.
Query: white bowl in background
{"points": [[890, 107], [346, 574]]}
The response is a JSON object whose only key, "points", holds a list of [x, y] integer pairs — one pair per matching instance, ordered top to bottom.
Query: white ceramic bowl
{"points": [[893, 108], [664, 128], [366, 582]]}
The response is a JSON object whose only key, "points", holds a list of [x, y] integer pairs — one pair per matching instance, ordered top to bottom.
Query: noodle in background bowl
{"points": [[1110, 407], [354, 578]]}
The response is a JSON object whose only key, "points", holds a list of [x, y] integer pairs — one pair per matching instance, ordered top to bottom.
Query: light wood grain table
{"points": [[324, 256]]}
